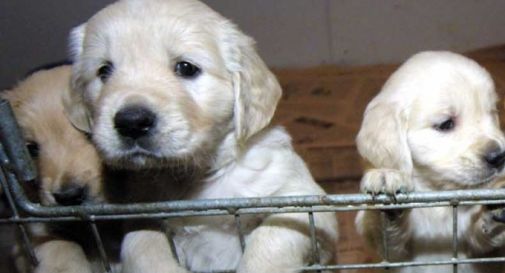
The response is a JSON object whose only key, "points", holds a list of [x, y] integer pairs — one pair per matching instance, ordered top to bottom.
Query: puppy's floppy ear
{"points": [[76, 41], [257, 90], [75, 108], [382, 139]]}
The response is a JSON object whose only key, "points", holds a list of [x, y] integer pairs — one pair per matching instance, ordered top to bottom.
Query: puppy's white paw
{"points": [[388, 181], [492, 219], [148, 251], [60, 256]]}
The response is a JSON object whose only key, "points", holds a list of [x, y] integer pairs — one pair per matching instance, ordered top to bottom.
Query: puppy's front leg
{"points": [[370, 223], [282, 244], [148, 251], [60, 256]]}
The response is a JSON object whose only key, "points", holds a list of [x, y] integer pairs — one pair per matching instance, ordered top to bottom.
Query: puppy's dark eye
{"points": [[186, 70], [105, 71], [446, 126], [33, 148]]}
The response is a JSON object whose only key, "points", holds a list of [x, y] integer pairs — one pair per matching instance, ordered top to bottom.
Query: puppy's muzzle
{"points": [[134, 122], [71, 195]]}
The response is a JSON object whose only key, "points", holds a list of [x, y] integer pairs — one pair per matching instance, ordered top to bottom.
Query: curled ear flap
{"points": [[257, 91], [73, 102], [76, 110], [382, 139]]}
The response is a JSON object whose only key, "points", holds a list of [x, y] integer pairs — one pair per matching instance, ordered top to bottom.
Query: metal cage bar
{"points": [[169, 233], [240, 234], [385, 236], [455, 236], [25, 239], [313, 239], [100, 245]]}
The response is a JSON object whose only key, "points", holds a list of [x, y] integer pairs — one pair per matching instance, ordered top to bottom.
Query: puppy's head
{"points": [[164, 81], [436, 118], [68, 164]]}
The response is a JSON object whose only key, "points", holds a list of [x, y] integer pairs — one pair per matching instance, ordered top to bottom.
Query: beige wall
{"points": [[289, 32], [353, 32]]}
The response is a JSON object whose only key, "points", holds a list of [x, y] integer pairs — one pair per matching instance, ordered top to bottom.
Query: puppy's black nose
{"points": [[134, 121], [496, 158], [71, 195]]}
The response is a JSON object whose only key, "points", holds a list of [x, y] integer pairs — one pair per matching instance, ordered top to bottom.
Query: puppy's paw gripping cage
{"points": [[16, 168]]}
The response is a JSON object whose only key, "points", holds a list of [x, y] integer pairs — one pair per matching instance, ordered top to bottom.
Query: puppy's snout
{"points": [[134, 121], [495, 158], [71, 195]]}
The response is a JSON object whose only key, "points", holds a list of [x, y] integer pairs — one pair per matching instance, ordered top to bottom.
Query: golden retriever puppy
{"points": [[176, 95], [433, 126], [68, 165]]}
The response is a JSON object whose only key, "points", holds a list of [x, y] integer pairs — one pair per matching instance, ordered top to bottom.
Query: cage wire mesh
{"points": [[16, 168]]}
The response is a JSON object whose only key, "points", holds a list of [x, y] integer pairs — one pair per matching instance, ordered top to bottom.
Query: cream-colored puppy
{"points": [[176, 95], [433, 126], [68, 165]]}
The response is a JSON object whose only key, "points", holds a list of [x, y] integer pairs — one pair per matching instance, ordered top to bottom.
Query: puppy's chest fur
{"points": [[201, 242], [213, 242]]}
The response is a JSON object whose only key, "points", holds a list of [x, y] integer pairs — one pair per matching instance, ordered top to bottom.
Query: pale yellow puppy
{"points": [[177, 96], [434, 126], [68, 165]]}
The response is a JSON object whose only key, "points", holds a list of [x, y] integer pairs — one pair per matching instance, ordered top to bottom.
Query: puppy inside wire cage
{"points": [[16, 169]]}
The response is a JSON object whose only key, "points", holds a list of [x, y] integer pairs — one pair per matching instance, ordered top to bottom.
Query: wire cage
{"points": [[16, 168]]}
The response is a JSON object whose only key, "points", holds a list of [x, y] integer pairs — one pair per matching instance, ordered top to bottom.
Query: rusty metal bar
{"points": [[15, 148], [444, 198], [243, 211], [239, 232], [169, 234], [385, 236], [455, 236], [25, 239], [99, 245], [316, 258], [402, 264]]}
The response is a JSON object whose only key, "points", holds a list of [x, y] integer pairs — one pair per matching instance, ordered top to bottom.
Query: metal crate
{"points": [[16, 168]]}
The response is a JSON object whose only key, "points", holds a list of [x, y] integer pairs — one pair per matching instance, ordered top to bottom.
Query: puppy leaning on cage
{"points": [[178, 101], [434, 126], [70, 171]]}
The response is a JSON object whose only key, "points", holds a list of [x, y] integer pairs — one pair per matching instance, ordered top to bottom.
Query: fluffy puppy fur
{"points": [[177, 99], [433, 126], [68, 165]]}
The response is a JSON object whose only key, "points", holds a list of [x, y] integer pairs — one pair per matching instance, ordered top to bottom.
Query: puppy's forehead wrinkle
{"points": [[156, 19], [148, 53], [427, 73], [466, 105]]}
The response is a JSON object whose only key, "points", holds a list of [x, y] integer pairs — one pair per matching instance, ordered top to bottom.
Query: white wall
{"points": [[368, 31], [289, 32]]}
